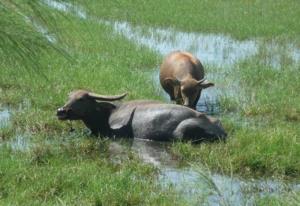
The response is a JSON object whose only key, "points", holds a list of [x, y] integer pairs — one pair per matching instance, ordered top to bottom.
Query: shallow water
{"points": [[66, 7], [214, 50], [217, 50], [209, 101], [4, 117], [19, 143], [193, 182]]}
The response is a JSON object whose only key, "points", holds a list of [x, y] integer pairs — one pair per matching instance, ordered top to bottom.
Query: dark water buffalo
{"points": [[182, 77], [140, 119]]}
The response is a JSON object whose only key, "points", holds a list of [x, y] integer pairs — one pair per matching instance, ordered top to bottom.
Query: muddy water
{"points": [[214, 50], [218, 51], [209, 101], [192, 182], [200, 187]]}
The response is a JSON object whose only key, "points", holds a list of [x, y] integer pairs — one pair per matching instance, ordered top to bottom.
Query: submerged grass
{"points": [[264, 129], [249, 152]]}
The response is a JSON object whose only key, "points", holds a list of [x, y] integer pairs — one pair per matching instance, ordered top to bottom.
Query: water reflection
{"points": [[212, 49], [216, 49], [220, 51], [154, 152], [192, 182]]}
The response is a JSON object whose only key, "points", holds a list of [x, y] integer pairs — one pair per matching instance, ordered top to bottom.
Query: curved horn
{"points": [[201, 81], [204, 83], [106, 98]]}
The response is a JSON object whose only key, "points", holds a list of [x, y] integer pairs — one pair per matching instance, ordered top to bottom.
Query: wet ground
{"points": [[214, 50], [217, 51], [4, 117], [193, 182]]}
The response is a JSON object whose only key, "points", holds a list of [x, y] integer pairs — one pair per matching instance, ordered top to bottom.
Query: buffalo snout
{"points": [[62, 113]]}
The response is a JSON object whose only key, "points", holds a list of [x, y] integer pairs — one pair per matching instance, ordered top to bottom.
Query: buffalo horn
{"points": [[201, 81], [107, 98]]}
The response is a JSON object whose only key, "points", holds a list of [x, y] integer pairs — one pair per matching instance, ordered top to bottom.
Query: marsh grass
{"points": [[241, 19], [263, 122], [250, 152], [70, 168], [79, 172], [50, 174], [286, 199]]}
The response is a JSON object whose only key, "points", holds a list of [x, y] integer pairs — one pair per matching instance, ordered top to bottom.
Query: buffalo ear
{"points": [[171, 81], [204, 83], [105, 105], [121, 118]]}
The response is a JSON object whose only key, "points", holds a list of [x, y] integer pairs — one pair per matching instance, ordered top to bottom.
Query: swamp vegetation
{"points": [[49, 48]]}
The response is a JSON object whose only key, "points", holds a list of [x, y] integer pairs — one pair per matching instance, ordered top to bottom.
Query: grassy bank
{"points": [[263, 128]]}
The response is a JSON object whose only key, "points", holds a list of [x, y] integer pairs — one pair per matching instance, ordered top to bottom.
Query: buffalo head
{"points": [[188, 90], [82, 103]]}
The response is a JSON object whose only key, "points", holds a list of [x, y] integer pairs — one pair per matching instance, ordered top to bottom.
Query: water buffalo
{"points": [[182, 77], [140, 118]]}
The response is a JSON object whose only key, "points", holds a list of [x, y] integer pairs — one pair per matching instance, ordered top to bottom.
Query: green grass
{"points": [[241, 19], [263, 126], [249, 152], [78, 172], [287, 199]]}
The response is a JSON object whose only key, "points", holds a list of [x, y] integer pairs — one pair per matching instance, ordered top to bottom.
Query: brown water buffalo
{"points": [[182, 77], [140, 119]]}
